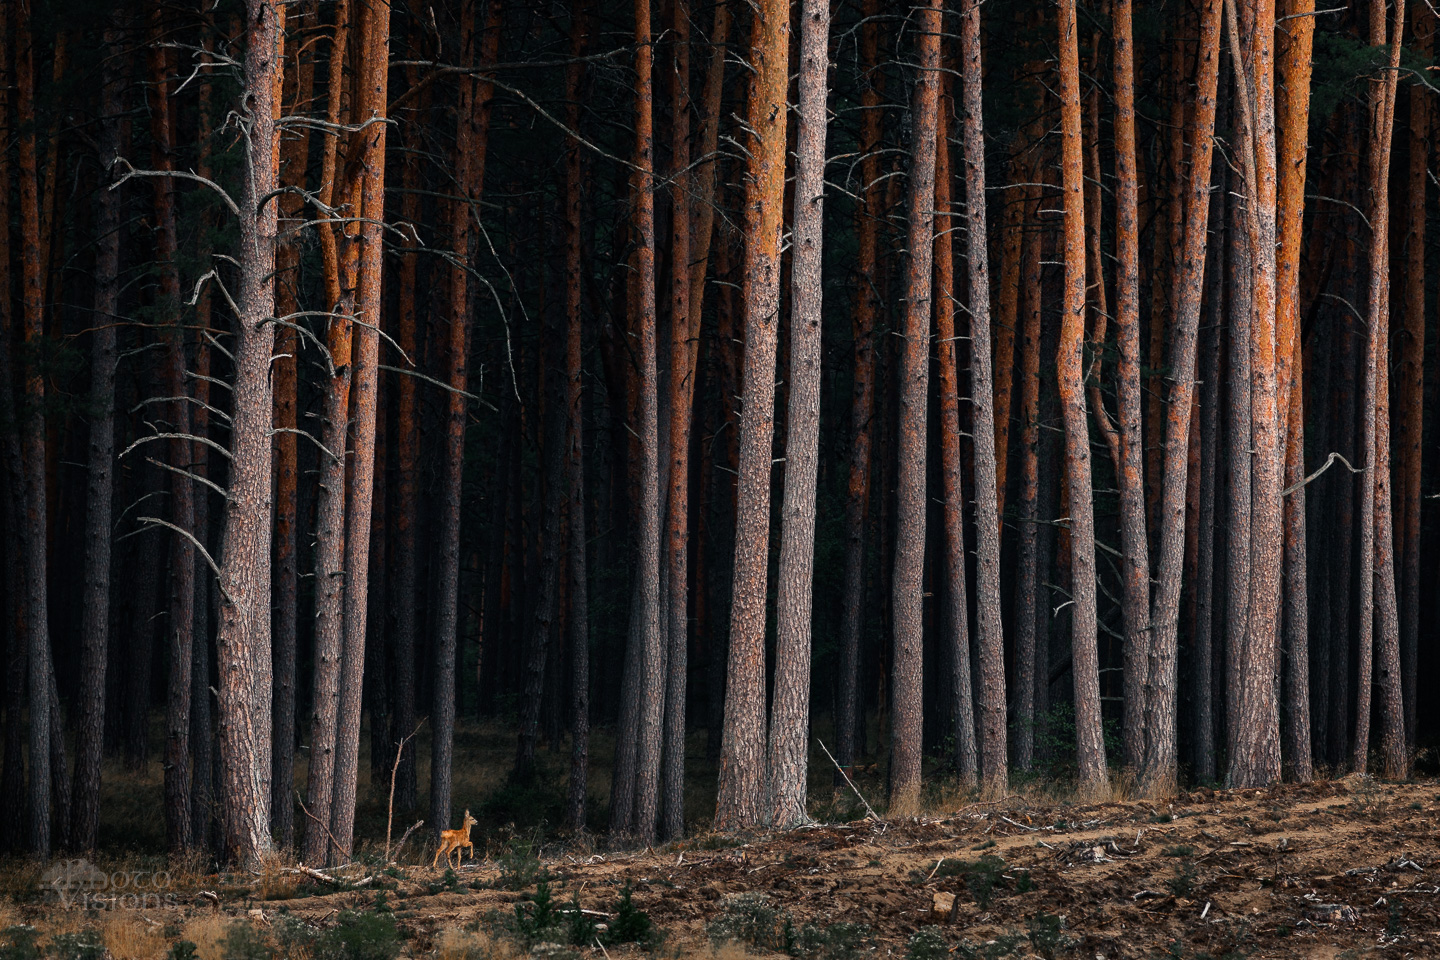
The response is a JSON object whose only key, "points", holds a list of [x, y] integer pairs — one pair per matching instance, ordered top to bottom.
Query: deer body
{"points": [[456, 841]]}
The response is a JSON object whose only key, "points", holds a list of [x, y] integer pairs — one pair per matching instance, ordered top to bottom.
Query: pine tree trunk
{"points": [[370, 94], [1293, 119], [471, 146], [295, 151], [1007, 324], [684, 329], [104, 355], [1412, 381], [32, 441], [1130, 465], [407, 496], [330, 498], [1377, 567], [908, 583], [1028, 605], [180, 617], [578, 621], [956, 627], [990, 637], [244, 639], [647, 663], [790, 711], [850, 713], [1203, 718], [1090, 747], [1255, 758], [1395, 759], [1158, 772], [12, 778], [740, 803]]}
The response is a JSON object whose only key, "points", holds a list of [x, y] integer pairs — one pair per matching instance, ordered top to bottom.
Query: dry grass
{"points": [[208, 934], [129, 938], [453, 943], [729, 950]]}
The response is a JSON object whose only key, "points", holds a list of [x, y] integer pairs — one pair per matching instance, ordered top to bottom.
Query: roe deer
{"points": [[456, 841]]}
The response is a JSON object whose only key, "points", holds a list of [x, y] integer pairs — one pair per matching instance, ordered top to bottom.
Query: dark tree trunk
{"points": [[33, 540], [850, 713], [90, 724]]}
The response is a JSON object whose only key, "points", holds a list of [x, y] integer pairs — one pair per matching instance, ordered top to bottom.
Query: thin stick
{"points": [[390, 810], [869, 812], [406, 836], [336, 843]]}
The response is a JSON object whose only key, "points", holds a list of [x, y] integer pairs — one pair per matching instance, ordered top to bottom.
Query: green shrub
{"points": [[520, 866], [982, 877], [1182, 884], [536, 918], [748, 918], [631, 924], [580, 929], [360, 936], [1048, 936], [294, 937], [838, 941], [243, 942], [19, 943], [927, 943], [85, 945]]}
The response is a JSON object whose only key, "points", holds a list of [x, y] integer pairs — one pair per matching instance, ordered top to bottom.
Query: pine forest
{"points": [[665, 419]]}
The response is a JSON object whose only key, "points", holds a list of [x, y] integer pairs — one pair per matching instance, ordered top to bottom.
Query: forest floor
{"points": [[1343, 868]]}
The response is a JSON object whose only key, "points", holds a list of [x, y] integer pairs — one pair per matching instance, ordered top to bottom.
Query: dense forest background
{"points": [[988, 392]]}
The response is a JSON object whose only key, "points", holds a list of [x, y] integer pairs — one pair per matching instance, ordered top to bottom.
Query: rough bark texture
{"points": [[1295, 42], [371, 96], [295, 150], [684, 329], [1130, 462], [330, 497], [908, 584], [1377, 608], [956, 624], [244, 628], [990, 637], [650, 663], [790, 711], [1090, 747], [742, 751], [1255, 757], [1395, 760], [1158, 776]]}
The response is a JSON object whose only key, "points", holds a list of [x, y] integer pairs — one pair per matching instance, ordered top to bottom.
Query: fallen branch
{"points": [[869, 812]]}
